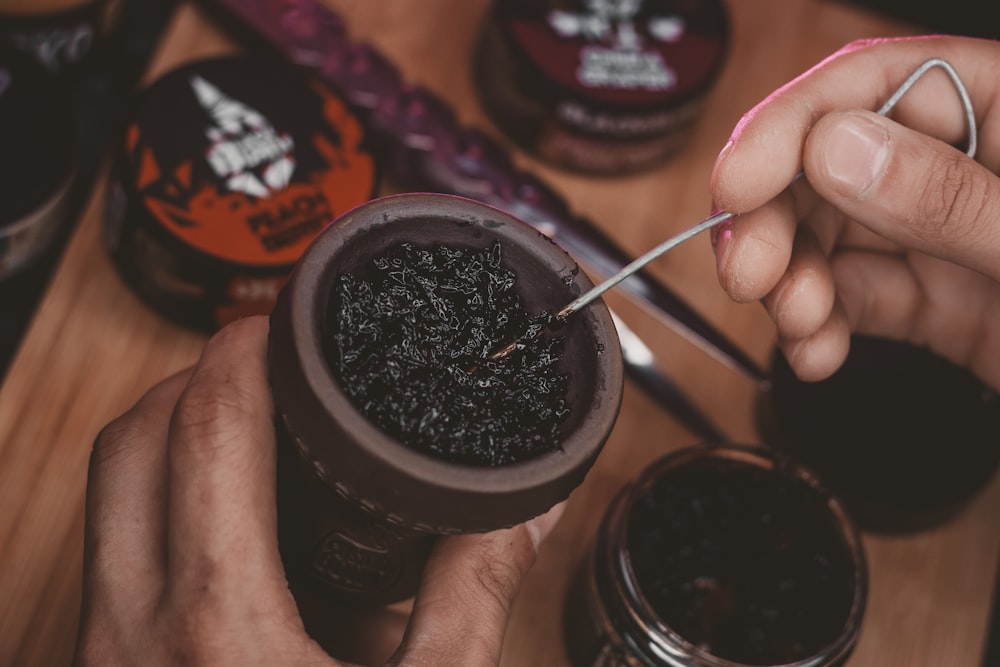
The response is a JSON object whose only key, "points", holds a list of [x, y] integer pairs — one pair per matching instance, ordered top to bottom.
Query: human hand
{"points": [[894, 232], [181, 554]]}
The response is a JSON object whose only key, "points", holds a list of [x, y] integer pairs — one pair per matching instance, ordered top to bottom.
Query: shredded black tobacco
{"points": [[410, 343], [744, 563]]}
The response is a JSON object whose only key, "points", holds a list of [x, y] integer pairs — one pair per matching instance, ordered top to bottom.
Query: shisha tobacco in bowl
{"points": [[424, 282], [410, 345]]}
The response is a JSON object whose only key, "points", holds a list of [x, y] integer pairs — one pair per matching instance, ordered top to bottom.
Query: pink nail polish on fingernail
{"points": [[726, 150], [721, 236]]}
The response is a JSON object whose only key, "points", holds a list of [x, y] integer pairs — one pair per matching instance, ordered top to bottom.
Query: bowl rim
{"points": [[307, 300]]}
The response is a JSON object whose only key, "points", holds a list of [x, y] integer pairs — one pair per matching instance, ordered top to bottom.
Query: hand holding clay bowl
{"points": [[362, 495]]}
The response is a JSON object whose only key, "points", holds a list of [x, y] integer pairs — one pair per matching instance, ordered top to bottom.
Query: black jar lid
{"points": [[63, 40], [618, 55], [39, 149], [228, 169], [905, 437]]}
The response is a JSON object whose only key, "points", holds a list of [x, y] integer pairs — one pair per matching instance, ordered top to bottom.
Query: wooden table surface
{"points": [[93, 348]]}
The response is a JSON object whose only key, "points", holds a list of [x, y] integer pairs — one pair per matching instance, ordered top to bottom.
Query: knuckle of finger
{"points": [[954, 202], [209, 412], [114, 441], [497, 580]]}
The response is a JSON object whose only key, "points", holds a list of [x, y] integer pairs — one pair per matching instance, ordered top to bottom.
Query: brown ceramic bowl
{"points": [[399, 487]]}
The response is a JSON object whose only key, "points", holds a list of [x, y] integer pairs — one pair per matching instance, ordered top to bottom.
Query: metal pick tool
{"points": [[718, 218]]}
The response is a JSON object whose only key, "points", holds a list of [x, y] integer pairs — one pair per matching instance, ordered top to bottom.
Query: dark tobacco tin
{"points": [[64, 41], [601, 86], [39, 150], [228, 169], [904, 436]]}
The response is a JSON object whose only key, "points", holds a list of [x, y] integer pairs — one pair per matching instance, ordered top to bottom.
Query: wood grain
{"points": [[93, 348]]}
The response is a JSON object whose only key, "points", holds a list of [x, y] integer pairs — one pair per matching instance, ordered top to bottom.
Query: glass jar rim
{"points": [[650, 635]]}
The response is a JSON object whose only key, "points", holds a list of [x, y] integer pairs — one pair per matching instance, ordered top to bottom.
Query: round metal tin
{"points": [[600, 86], [39, 150], [228, 169]]}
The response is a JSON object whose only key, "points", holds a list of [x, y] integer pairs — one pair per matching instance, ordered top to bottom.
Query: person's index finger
{"points": [[764, 152], [760, 160], [758, 251], [126, 496], [222, 516]]}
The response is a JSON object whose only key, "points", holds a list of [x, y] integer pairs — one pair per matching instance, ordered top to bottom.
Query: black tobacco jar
{"points": [[65, 37], [599, 86], [39, 159], [906, 438], [360, 497], [719, 555]]}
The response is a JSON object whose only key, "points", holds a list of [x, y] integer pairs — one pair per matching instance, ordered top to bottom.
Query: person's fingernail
{"points": [[726, 150], [856, 154], [713, 233], [721, 236], [541, 526]]}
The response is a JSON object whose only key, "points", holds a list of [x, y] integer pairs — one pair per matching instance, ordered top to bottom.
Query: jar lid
{"points": [[62, 40], [618, 54], [38, 136], [228, 169], [904, 436]]}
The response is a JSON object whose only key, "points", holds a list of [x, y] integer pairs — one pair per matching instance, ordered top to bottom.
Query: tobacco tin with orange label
{"points": [[228, 169]]}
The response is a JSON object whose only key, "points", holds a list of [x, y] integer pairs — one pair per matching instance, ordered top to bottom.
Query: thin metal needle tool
{"points": [[674, 241], [641, 261], [626, 271]]}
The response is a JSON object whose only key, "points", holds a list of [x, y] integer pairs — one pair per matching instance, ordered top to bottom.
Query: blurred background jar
{"points": [[62, 35], [44, 47], [74, 63], [599, 86], [39, 156], [903, 436], [719, 556]]}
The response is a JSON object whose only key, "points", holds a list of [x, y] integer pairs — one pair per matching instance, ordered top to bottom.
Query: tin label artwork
{"points": [[633, 52], [249, 181]]}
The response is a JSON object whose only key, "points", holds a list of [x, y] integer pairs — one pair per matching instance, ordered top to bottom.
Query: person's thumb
{"points": [[907, 187], [461, 610]]}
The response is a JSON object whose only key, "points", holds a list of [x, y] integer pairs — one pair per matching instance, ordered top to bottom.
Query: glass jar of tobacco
{"points": [[719, 556]]}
